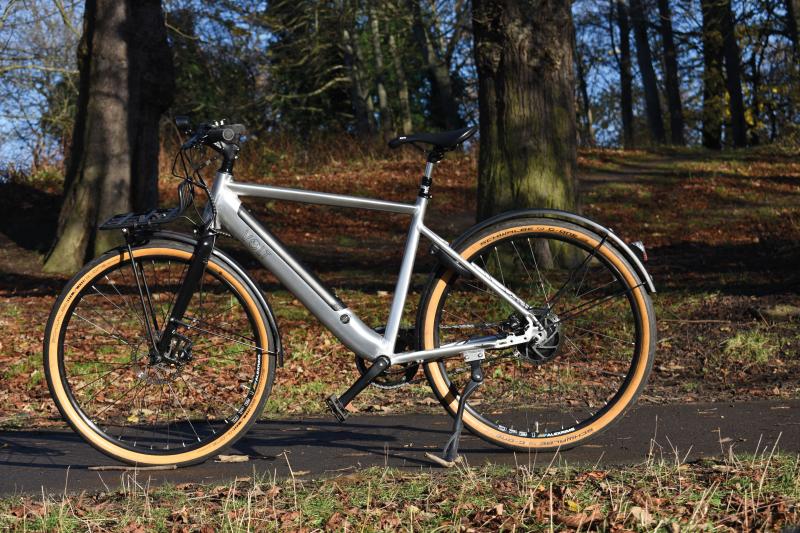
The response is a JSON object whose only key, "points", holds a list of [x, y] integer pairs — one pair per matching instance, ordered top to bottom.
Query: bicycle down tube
{"points": [[234, 218]]}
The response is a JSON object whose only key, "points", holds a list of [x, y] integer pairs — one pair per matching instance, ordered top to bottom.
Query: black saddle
{"points": [[445, 140]]}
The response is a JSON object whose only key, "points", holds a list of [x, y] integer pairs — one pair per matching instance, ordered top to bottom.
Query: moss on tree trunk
{"points": [[523, 52], [126, 83]]}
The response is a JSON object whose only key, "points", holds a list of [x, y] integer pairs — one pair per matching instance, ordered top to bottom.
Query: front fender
{"points": [[619, 245], [229, 261]]}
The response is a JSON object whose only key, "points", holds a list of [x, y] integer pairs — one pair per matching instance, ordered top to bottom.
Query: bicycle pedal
{"points": [[337, 408]]}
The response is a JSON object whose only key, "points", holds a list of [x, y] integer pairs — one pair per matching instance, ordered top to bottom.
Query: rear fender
{"points": [[618, 244], [229, 261]]}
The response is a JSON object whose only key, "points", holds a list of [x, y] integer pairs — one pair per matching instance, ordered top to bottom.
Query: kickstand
{"points": [[450, 454]]}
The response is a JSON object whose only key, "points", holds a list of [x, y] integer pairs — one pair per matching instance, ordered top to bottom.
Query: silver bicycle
{"points": [[535, 330]]}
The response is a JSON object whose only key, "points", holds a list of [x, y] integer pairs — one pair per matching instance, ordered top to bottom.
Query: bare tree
{"points": [[377, 51], [436, 56], [644, 56], [733, 73], [625, 76], [38, 79], [671, 81], [713, 81], [402, 85], [587, 127]]}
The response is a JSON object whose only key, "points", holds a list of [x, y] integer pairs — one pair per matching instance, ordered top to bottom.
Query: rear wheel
{"points": [[591, 365], [145, 407]]}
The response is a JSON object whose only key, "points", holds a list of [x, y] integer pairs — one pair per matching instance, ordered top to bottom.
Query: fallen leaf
{"points": [[232, 458], [641, 515]]}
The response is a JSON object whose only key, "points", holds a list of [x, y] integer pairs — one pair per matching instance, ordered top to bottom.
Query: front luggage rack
{"points": [[153, 218], [143, 220]]}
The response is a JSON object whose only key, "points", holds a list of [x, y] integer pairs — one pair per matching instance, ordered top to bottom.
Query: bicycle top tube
{"points": [[308, 289]]}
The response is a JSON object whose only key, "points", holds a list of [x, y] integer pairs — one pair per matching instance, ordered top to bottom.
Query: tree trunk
{"points": [[793, 25], [523, 53], [644, 57], [671, 70], [733, 70], [625, 76], [713, 82], [402, 85], [358, 94], [150, 96], [383, 99], [755, 103], [445, 112], [587, 133], [114, 156]]}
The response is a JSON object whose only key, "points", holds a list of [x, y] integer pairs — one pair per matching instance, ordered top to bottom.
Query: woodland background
{"points": [[714, 73], [672, 121]]}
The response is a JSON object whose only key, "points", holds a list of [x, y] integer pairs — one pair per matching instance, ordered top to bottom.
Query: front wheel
{"points": [[583, 375], [143, 406]]}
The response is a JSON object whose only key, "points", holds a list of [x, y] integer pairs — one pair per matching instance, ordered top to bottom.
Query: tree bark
{"points": [[793, 25], [792, 29], [523, 53], [644, 57], [733, 71], [625, 76], [672, 82], [713, 82], [402, 85], [151, 93], [358, 94], [383, 99], [755, 103], [445, 112], [587, 134], [114, 156]]}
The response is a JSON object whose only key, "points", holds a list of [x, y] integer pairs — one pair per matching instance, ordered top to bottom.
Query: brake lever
{"points": [[197, 138]]}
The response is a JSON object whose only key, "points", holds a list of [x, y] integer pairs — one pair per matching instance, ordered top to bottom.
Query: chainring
{"points": [[398, 375]]}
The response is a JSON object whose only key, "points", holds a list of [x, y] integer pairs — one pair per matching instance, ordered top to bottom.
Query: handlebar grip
{"points": [[225, 133], [206, 134]]}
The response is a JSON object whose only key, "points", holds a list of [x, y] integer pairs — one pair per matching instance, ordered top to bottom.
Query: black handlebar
{"points": [[226, 133], [210, 135]]}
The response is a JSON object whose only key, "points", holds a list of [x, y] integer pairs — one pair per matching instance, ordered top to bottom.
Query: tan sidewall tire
{"points": [[55, 380], [439, 384]]}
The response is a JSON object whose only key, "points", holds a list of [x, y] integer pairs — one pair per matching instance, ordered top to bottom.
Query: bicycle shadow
{"points": [[401, 442], [321, 443], [46, 449]]}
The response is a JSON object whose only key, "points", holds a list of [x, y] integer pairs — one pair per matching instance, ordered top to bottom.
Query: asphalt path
{"points": [[57, 460]]}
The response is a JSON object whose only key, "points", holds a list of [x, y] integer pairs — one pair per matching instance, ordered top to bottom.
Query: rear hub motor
{"points": [[544, 349]]}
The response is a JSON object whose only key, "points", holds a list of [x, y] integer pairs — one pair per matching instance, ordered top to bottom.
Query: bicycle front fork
{"points": [[161, 338]]}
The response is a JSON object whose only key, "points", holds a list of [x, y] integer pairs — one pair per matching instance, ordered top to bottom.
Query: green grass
{"points": [[752, 346], [760, 492]]}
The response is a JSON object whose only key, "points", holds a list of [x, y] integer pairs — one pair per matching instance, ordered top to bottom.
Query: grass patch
{"points": [[751, 347], [739, 493]]}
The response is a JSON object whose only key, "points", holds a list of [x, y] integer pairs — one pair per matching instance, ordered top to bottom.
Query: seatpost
{"points": [[434, 156]]}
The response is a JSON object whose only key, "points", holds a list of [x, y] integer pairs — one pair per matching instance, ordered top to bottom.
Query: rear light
{"points": [[639, 250]]}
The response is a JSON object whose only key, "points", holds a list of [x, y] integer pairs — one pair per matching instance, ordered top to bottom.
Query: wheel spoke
{"points": [[562, 379], [147, 401]]}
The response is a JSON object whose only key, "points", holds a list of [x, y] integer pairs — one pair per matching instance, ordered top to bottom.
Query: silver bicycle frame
{"points": [[233, 218]]}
